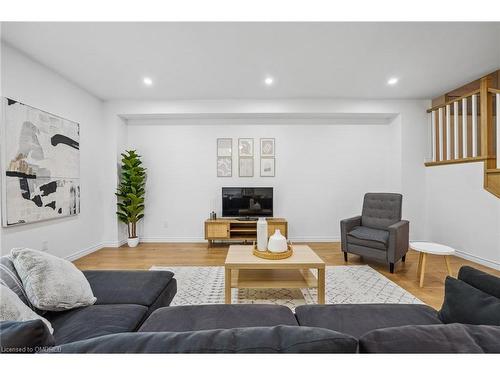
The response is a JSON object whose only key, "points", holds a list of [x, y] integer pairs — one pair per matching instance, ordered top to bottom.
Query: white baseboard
{"points": [[171, 239], [201, 239], [314, 239], [91, 249], [83, 252], [476, 259]]}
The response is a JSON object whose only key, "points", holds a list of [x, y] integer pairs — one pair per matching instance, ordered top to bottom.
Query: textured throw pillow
{"points": [[10, 278], [480, 280], [52, 283], [465, 304], [12, 308], [24, 337]]}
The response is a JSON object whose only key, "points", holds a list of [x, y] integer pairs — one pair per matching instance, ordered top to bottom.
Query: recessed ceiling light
{"points": [[147, 81], [269, 81], [392, 81]]}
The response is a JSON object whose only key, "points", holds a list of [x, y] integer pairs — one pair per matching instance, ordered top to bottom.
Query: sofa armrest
{"points": [[346, 225], [399, 240], [128, 287]]}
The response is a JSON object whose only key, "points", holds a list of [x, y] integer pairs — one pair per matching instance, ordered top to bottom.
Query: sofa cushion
{"points": [[380, 210], [369, 237], [10, 278], [480, 280], [51, 283], [129, 287], [465, 304], [12, 308], [205, 317], [358, 319], [94, 321], [29, 336], [440, 338], [278, 339]]}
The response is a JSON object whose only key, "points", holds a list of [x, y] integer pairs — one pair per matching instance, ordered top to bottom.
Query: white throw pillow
{"points": [[52, 283], [12, 308]]}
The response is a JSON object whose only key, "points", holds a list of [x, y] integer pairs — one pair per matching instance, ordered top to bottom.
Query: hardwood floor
{"points": [[196, 254]]}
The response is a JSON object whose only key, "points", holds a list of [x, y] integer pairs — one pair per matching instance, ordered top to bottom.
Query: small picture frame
{"points": [[224, 147], [245, 147], [267, 147], [224, 166], [245, 167], [267, 167]]}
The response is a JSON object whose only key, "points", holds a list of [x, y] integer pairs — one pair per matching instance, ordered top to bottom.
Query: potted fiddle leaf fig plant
{"points": [[130, 193]]}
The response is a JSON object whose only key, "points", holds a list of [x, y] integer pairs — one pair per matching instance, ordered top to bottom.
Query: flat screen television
{"points": [[247, 202]]}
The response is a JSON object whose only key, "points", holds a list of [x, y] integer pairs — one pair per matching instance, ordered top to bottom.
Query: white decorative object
{"points": [[41, 169], [261, 234], [133, 242], [277, 242]]}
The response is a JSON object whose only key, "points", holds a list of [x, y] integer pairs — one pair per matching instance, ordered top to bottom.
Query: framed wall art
{"points": [[41, 165], [267, 167]]}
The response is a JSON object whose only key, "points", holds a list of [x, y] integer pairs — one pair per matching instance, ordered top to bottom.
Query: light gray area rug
{"points": [[344, 284]]}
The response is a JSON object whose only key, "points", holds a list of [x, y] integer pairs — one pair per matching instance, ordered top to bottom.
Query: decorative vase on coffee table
{"points": [[261, 234], [277, 242]]}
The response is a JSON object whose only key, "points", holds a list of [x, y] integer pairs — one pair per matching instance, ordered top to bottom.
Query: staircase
{"points": [[465, 127]]}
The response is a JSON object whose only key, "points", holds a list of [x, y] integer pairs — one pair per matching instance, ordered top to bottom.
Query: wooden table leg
{"points": [[447, 261], [419, 268], [422, 272], [227, 283], [321, 286]]}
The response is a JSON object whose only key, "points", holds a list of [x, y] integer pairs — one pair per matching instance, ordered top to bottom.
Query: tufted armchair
{"points": [[379, 232]]}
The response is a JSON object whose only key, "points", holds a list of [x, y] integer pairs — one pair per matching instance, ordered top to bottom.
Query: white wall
{"points": [[33, 84], [351, 159], [322, 172], [460, 213]]}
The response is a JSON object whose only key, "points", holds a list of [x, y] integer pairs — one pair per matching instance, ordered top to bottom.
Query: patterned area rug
{"points": [[344, 284]]}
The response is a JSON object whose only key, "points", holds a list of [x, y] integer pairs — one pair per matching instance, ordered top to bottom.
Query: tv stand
{"points": [[247, 218], [232, 229]]}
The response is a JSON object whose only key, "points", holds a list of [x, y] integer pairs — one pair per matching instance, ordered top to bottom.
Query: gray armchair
{"points": [[379, 232]]}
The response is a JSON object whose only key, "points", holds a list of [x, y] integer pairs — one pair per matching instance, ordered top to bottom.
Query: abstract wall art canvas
{"points": [[40, 165]]}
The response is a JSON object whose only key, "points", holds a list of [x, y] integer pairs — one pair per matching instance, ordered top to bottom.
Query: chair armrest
{"points": [[346, 225], [399, 240], [127, 287]]}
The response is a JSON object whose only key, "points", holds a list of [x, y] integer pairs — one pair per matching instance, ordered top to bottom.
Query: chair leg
{"points": [[345, 256], [403, 259], [391, 267]]}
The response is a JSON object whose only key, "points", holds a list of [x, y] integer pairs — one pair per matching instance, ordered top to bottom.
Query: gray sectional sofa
{"points": [[125, 299], [129, 318]]}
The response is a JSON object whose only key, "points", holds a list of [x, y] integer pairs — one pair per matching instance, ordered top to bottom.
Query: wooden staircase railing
{"points": [[466, 128]]}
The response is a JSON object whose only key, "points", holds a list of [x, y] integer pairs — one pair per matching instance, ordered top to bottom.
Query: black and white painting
{"points": [[40, 165]]}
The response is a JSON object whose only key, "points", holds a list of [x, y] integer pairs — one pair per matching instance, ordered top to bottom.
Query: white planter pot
{"points": [[133, 242]]}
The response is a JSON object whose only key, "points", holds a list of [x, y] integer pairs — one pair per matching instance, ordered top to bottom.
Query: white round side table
{"points": [[430, 248]]}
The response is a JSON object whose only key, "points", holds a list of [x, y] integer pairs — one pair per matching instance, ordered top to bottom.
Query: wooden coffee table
{"points": [[245, 270]]}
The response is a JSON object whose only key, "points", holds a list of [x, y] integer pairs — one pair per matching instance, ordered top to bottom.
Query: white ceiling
{"points": [[231, 60]]}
